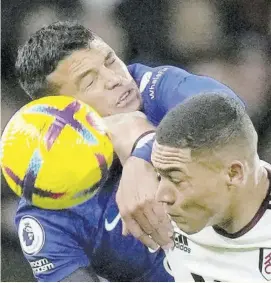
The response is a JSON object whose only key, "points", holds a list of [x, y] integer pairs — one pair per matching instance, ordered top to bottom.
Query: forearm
{"points": [[125, 129]]}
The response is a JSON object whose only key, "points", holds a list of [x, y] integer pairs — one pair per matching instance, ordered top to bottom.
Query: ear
{"points": [[236, 173]]}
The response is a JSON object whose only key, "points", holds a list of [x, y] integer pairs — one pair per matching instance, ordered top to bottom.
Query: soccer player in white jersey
{"points": [[215, 190]]}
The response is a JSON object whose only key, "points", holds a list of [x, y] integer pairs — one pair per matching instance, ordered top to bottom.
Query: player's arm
{"points": [[164, 87], [161, 88], [127, 130], [53, 244]]}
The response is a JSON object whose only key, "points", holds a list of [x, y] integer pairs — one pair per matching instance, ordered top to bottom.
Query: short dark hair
{"points": [[40, 55], [207, 121]]}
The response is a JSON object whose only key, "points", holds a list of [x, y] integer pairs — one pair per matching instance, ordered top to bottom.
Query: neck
{"points": [[246, 204]]}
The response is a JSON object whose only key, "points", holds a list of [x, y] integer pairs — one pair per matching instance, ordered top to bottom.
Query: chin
{"points": [[138, 105], [134, 106], [188, 229]]}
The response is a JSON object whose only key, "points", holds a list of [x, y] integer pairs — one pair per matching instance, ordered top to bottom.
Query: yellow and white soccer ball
{"points": [[55, 152]]}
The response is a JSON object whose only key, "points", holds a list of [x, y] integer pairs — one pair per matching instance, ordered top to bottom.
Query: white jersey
{"points": [[214, 255]]}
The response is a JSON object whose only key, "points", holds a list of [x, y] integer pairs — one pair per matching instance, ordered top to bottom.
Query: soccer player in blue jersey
{"points": [[77, 243]]}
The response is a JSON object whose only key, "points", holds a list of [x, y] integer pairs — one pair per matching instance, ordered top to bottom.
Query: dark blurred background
{"points": [[226, 39]]}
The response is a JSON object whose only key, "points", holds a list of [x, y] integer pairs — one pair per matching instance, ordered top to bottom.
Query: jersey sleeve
{"points": [[164, 87], [143, 148], [52, 242]]}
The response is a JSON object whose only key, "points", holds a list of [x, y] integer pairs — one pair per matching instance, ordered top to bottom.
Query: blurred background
{"points": [[226, 39]]}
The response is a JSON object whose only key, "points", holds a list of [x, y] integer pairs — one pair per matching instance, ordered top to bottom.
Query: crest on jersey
{"points": [[31, 235], [265, 263]]}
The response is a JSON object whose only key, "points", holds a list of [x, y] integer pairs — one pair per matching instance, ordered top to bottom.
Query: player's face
{"points": [[99, 78], [194, 194]]}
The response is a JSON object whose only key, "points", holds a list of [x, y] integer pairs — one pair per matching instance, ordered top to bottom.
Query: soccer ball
{"points": [[55, 152]]}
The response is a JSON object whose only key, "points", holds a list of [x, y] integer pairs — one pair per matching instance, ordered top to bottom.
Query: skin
{"points": [[96, 73], [99, 78], [121, 123], [219, 200]]}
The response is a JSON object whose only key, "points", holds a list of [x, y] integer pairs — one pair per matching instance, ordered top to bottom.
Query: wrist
{"points": [[143, 139], [143, 146]]}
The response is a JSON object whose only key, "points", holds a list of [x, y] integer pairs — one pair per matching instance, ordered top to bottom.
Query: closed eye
{"points": [[110, 61], [89, 84], [175, 181]]}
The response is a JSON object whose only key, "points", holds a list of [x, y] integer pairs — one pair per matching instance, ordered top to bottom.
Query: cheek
{"points": [[121, 69], [70, 89], [92, 98], [102, 101], [185, 194], [196, 195], [212, 198]]}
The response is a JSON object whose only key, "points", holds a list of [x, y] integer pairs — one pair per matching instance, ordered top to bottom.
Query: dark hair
{"points": [[40, 55], [207, 121]]}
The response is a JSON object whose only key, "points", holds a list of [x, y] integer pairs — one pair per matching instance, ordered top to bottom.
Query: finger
{"points": [[122, 210], [138, 215], [152, 217], [162, 217], [143, 222], [159, 227], [125, 230], [158, 230], [139, 234], [162, 234], [161, 239], [149, 242], [169, 246]]}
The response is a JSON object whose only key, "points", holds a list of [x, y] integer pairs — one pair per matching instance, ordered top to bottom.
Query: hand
{"points": [[141, 214]]}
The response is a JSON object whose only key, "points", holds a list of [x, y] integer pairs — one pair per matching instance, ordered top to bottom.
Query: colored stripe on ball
{"points": [[63, 117], [28, 183]]}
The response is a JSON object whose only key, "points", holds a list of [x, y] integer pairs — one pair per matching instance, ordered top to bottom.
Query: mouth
{"points": [[125, 98]]}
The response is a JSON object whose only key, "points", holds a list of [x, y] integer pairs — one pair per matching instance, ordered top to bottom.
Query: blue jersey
{"points": [[162, 88], [56, 243]]}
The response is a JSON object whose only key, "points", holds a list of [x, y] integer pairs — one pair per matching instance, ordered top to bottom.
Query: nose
{"points": [[111, 78], [166, 192]]}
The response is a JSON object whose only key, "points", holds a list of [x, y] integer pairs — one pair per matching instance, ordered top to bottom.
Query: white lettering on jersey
{"points": [[154, 82], [111, 226], [31, 235], [181, 242], [41, 265]]}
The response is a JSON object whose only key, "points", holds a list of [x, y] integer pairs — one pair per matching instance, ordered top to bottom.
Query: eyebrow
{"points": [[169, 170]]}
